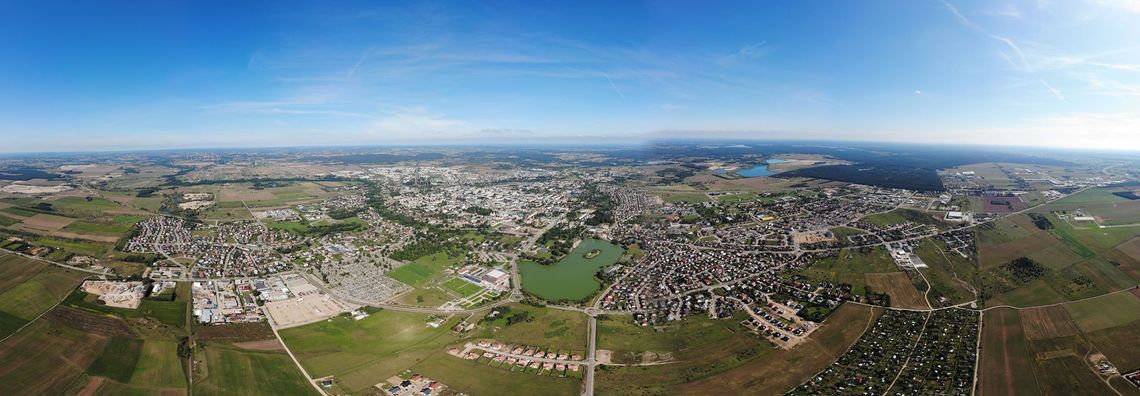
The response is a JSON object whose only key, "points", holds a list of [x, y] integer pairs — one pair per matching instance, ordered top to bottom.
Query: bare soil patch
{"points": [[48, 222], [90, 322], [236, 332], [91, 386]]}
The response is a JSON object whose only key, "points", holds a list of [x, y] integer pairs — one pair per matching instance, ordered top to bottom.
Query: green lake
{"points": [[572, 277]]}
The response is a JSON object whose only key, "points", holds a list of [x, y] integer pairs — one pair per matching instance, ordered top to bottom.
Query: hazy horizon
{"points": [[150, 76]]}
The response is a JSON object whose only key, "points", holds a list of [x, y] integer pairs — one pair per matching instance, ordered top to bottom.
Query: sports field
{"points": [[572, 277], [461, 287]]}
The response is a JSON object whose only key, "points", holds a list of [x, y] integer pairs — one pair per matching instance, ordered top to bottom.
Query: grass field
{"points": [[687, 197], [900, 216], [117, 225], [850, 265], [422, 269], [949, 274], [572, 277], [899, 286], [1105, 312], [547, 327], [691, 338], [727, 347], [363, 353], [1005, 366], [780, 370], [233, 371], [479, 379]]}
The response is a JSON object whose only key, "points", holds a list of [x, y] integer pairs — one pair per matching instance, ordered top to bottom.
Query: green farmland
{"points": [[572, 277]]}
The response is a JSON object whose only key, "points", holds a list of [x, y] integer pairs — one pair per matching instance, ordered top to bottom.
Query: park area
{"points": [[572, 277]]}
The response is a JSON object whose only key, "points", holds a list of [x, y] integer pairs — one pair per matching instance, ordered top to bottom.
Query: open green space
{"points": [[686, 197], [1109, 209], [900, 216], [849, 265], [422, 269], [949, 274], [572, 277], [545, 327], [690, 338], [365, 352], [234, 371], [475, 378]]}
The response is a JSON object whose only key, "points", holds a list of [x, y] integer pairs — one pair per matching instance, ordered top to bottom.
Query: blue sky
{"points": [[134, 75]]}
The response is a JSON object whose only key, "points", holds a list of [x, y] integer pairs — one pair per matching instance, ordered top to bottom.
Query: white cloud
{"points": [[1125, 5], [417, 120]]}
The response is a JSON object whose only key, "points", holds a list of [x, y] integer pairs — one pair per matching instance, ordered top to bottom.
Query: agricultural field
{"points": [[849, 265], [572, 277], [33, 288], [1104, 312], [1047, 322], [362, 353], [57, 354], [1005, 366], [230, 370]]}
